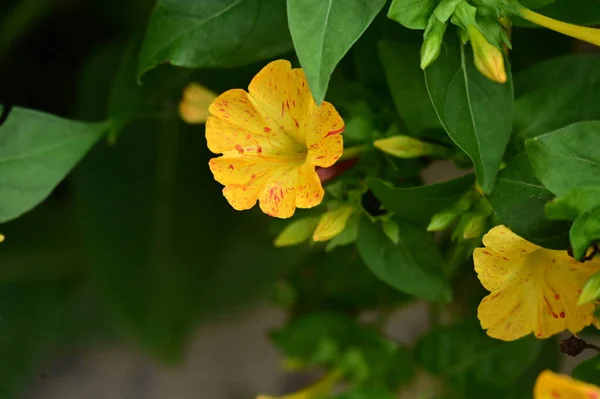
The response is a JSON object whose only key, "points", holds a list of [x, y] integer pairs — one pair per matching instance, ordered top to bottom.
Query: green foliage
{"points": [[412, 14], [324, 31], [214, 33], [407, 84], [556, 93], [476, 112], [37, 151], [567, 158], [518, 202], [419, 204], [117, 231], [413, 265], [337, 342], [473, 364], [588, 371]]}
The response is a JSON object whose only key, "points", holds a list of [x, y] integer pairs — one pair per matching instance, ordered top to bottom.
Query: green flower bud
{"points": [[432, 41], [442, 220], [475, 227], [296, 232], [591, 290]]}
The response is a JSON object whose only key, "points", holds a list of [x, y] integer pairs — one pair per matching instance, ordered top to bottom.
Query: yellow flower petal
{"points": [[193, 107], [271, 138], [332, 223], [532, 289], [550, 385]]}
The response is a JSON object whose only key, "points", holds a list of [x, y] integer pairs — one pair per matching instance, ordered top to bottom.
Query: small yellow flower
{"points": [[489, 60], [193, 107], [272, 138], [332, 223], [532, 289], [550, 385]]}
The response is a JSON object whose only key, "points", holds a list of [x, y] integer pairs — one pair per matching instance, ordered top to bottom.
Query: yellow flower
{"points": [[489, 60], [193, 107], [271, 138], [332, 223], [532, 289], [550, 385]]}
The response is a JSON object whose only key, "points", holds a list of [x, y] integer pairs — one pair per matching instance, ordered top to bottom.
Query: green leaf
{"points": [[412, 14], [323, 31], [217, 33], [407, 84], [556, 93], [476, 112], [37, 151], [567, 158], [519, 200], [419, 204], [568, 207], [585, 231], [165, 249], [413, 266], [335, 341], [472, 362], [588, 371]]}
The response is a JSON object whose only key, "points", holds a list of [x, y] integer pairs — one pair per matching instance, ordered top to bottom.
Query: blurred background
{"points": [[135, 279]]}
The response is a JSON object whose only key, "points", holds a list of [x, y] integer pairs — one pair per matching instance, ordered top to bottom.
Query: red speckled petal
{"points": [[281, 94], [237, 126], [309, 190], [278, 197], [550, 385]]}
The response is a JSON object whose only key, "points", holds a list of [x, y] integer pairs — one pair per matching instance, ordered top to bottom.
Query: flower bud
{"points": [[432, 41], [489, 60], [193, 107], [405, 147], [442, 220], [332, 223], [475, 226], [391, 230], [296, 232], [1, 238], [591, 290]]}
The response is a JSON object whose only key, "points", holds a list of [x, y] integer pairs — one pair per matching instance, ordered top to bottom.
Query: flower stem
{"points": [[586, 34], [353, 152]]}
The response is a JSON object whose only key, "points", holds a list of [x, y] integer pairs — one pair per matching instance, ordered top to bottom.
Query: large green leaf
{"points": [[412, 14], [323, 31], [214, 33], [407, 84], [555, 93], [476, 112], [37, 151], [567, 158], [519, 200], [579, 200], [419, 204], [166, 251], [413, 265], [337, 342], [472, 362], [588, 371]]}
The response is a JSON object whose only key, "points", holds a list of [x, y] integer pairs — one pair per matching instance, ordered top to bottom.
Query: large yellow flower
{"points": [[271, 138], [532, 289], [556, 386]]}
